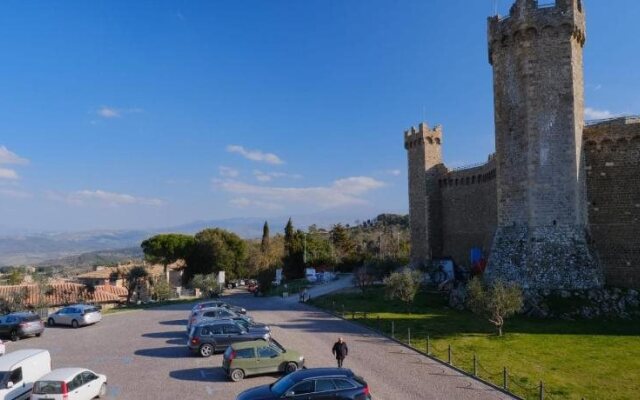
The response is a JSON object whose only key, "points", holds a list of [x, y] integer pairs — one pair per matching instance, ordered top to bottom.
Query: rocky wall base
{"points": [[544, 258]]}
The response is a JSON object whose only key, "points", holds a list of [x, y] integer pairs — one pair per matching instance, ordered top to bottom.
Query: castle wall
{"points": [[612, 152], [469, 211]]}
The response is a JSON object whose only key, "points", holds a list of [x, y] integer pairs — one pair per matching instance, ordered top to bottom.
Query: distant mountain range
{"points": [[63, 248]]}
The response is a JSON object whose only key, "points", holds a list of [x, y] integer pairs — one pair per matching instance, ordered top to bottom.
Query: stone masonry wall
{"points": [[612, 151], [424, 154], [469, 211]]}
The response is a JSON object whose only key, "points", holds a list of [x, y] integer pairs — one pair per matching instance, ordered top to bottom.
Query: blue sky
{"points": [[139, 114]]}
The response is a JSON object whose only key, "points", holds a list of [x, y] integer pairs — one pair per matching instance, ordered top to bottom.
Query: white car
{"points": [[75, 315], [70, 384]]}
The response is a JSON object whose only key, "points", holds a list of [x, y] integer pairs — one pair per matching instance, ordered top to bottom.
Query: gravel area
{"points": [[144, 355]]}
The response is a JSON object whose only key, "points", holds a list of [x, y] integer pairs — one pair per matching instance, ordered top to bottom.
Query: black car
{"points": [[21, 324], [215, 336], [317, 383]]}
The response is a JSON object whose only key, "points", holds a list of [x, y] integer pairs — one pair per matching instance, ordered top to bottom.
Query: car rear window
{"points": [[90, 310], [32, 318], [246, 353], [343, 384], [47, 387]]}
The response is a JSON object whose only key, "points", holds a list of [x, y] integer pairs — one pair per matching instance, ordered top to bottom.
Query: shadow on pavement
{"points": [[175, 322], [165, 335], [176, 341], [165, 352], [200, 375]]}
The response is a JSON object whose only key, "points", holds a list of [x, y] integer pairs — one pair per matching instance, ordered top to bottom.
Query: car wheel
{"points": [[51, 322], [74, 324], [39, 334], [14, 336], [206, 350], [291, 367], [237, 375], [103, 390]]}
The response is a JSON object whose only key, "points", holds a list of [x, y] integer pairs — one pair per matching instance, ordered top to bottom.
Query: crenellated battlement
{"points": [[528, 21], [421, 135]]}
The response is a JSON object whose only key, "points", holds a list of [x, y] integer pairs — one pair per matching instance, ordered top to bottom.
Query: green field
{"points": [[595, 359]]}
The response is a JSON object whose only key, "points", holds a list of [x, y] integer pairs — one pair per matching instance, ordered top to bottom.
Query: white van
{"points": [[19, 370]]}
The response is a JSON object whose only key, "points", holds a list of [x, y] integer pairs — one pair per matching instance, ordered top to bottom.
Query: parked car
{"points": [[217, 303], [211, 314], [75, 316], [21, 324], [249, 324], [209, 337], [259, 357], [20, 369], [317, 383], [70, 384]]}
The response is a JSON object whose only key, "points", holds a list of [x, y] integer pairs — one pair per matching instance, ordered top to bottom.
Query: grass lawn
{"points": [[594, 359]]}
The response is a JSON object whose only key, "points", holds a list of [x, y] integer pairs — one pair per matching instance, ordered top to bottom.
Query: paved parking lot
{"points": [[144, 355]]}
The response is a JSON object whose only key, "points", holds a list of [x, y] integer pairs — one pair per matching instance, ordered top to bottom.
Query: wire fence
{"points": [[468, 362]]}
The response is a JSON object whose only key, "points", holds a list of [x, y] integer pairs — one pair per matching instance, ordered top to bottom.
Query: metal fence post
{"points": [[333, 306], [343, 311], [353, 315], [378, 320], [393, 330], [409, 335], [428, 346], [449, 354], [475, 365], [504, 378], [541, 390]]}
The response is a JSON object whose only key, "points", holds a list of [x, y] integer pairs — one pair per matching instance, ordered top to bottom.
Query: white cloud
{"points": [[108, 112], [111, 112], [592, 113], [255, 155], [9, 157], [228, 172], [394, 172], [6, 173], [269, 176], [342, 192], [15, 194], [84, 197], [243, 202]]}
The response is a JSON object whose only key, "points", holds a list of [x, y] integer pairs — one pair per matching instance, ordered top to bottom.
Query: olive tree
{"points": [[403, 285], [495, 301]]}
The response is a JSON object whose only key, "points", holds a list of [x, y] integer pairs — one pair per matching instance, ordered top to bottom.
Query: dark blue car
{"points": [[312, 384]]}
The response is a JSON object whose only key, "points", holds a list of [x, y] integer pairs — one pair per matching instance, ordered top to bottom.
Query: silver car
{"points": [[209, 313], [75, 315]]}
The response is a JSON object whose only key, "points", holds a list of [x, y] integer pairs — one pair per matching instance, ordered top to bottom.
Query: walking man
{"points": [[340, 350]]}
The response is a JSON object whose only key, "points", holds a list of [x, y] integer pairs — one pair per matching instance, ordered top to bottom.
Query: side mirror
{"points": [[9, 385], [290, 393]]}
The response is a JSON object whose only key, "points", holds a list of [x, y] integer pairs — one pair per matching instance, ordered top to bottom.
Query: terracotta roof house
{"points": [[57, 295]]}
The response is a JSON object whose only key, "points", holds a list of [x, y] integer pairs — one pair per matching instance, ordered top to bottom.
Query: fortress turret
{"points": [[536, 54], [424, 154]]}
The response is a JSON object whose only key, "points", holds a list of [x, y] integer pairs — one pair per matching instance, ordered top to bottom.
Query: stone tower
{"points": [[536, 54], [424, 153]]}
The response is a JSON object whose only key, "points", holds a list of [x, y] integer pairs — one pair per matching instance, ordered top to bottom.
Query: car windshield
{"points": [[282, 385], [47, 387]]}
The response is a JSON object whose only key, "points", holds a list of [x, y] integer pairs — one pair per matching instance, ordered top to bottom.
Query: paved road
{"points": [[143, 353]]}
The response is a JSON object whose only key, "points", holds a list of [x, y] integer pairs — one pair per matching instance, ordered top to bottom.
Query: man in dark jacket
{"points": [[340, 350]]}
